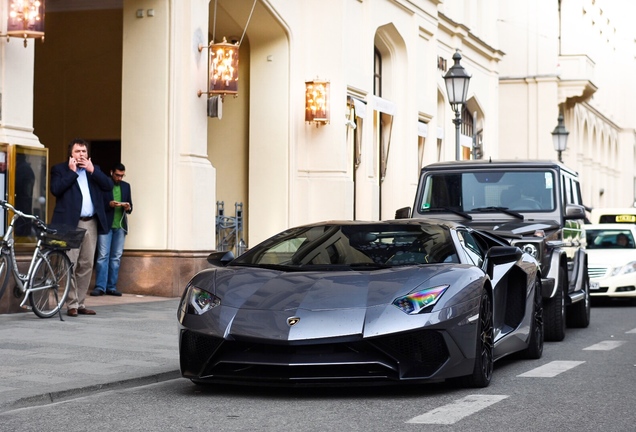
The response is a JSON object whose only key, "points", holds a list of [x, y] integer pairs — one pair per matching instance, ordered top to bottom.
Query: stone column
{"points": [[16, 91], [164, 145]]}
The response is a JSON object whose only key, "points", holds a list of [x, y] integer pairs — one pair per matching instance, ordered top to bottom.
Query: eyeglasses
{"points": [[119, 175]]}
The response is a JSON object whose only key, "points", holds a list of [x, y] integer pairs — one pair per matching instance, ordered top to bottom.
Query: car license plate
{"points": [[594, 286]]}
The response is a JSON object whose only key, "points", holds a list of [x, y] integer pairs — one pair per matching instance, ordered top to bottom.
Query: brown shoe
{"points": [[84, 311], [72, 312]]}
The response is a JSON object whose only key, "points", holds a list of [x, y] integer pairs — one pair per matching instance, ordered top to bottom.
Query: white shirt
{"points": [[88, 209]]}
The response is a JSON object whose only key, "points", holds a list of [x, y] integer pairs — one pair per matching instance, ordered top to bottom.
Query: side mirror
{"points": [[574, 211], [403, 213], [504, 254], [498, 255], [220, 259]]}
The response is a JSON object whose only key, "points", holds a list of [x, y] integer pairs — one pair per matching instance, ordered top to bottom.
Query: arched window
{"points": [[377, 72], [468, 126]]}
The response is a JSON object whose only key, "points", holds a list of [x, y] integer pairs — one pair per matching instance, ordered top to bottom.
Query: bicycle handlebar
{"points": [[36, 220]]}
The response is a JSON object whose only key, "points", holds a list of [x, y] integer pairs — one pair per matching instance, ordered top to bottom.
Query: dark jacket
{"points": [[68, 196], [126, 196]]}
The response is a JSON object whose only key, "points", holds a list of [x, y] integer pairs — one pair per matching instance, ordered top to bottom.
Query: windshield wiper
{"points": [[448, 209], [505, 210]]}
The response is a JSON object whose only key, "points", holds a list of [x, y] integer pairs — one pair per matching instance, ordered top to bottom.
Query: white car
{"points": [[611, 252]]}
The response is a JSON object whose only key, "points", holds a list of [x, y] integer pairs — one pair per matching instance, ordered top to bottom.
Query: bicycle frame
{"points": [[22, 281]]}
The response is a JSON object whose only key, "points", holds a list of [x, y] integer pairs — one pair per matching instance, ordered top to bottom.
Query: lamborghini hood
{"points": [[262, 289], [259, 304]]}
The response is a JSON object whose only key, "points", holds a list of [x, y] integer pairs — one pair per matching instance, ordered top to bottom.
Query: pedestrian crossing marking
{"points": [[604, 346], [551, 369], [457, 410]]}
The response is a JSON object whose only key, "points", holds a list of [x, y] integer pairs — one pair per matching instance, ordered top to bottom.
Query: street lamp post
{"points": [[456, 80], [560, 137]]}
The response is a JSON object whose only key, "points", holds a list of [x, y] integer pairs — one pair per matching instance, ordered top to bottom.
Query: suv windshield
{"points": [[488, 190]]}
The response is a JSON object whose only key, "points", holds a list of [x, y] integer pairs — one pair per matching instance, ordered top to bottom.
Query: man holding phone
{"points": [[78, 187], [110, 246]]}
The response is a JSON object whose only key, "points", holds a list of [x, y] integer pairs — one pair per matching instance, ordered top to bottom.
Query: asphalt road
{"points": [[585, 383]]}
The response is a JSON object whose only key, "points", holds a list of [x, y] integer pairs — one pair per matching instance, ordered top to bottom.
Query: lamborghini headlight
{"points": [[626, 269], [200, 301], [416, 301]]}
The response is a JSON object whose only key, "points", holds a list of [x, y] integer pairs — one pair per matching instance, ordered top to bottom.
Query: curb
{"points": [[79, 392]]}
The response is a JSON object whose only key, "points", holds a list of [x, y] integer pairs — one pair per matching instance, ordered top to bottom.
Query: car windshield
{"points": [[488, 191], [609, 239], [357, 247]]}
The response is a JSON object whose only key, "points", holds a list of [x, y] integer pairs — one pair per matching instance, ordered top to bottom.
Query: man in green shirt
{"points": [[110, 246]]}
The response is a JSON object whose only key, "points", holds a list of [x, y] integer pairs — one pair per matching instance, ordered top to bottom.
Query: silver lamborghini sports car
{"points": [[338, 303]]}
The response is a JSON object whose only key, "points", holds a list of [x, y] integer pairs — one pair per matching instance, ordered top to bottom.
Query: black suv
{"points": [[536, 206]]}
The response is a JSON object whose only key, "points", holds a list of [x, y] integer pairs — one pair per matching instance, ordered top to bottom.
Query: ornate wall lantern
{"points": [[25, 19], [224, 58], [223, 68], [317, 102]]}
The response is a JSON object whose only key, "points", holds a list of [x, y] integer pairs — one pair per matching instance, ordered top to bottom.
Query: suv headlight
{"points": [[531, 248]]}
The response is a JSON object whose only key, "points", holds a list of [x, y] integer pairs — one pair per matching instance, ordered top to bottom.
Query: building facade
{"points": [[128, 75]]}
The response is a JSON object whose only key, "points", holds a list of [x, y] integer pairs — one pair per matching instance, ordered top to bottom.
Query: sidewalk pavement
{"points": [[131, 341]]}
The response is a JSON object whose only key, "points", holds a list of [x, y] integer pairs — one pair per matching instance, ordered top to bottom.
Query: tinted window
{"points": [[384, 244]]}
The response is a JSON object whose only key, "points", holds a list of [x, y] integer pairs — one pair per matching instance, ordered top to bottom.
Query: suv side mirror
{"points": [[574, 211], [403, 213]]}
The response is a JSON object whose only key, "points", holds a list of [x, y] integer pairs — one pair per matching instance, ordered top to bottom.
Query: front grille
{"points": [[596, 272], [426, 348], [195, 350], [417, 354], [254, 362]]}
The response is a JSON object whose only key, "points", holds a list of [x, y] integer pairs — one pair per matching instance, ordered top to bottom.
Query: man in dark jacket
{"points": [[78, 187], [110, 246]]}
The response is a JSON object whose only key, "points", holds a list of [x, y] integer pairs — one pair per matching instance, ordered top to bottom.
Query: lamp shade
{"points": [[26, 19], [224, 58], [456, 80], [317, 101], [560, 135]]}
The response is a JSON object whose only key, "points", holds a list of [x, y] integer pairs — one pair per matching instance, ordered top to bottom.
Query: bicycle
{"points": [[47, 282]]}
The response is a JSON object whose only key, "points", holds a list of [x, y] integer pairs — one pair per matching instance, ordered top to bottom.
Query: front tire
{"points": [[4, 273], [51, 282], [555, 311], [579, 313], [482, 370]]}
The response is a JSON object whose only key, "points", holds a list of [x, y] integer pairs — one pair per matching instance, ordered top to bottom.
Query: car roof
{"points": [[512, 163], [412, 221], [610, 226]]}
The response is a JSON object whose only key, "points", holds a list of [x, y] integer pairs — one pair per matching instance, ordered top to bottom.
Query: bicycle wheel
{"points": [[4, 272], [51, 281]]}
